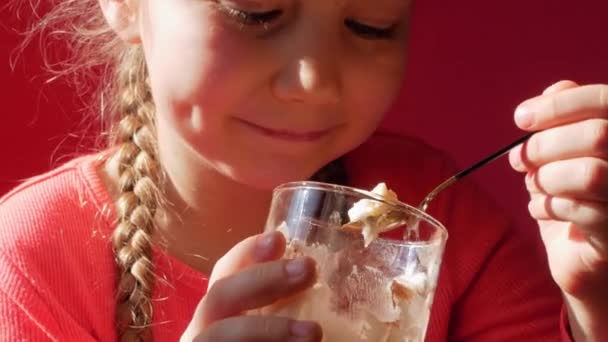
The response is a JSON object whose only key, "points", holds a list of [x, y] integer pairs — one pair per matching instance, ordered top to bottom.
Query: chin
{"points": [[268, 178]]}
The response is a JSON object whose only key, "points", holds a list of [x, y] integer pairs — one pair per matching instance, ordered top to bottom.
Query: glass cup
{"points": [[379, 292]]}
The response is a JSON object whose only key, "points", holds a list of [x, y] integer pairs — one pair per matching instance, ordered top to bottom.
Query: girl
{"points": [[214, 103]]}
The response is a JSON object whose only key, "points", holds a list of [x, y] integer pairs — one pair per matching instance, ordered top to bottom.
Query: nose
{"points": [[310, 76]]}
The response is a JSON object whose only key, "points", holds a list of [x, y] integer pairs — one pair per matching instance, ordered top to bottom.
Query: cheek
{"points": [[189, 58], [194, 69], [371, 89]]}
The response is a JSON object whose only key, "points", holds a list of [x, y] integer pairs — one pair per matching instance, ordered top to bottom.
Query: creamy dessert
{"points": [[367, 212]]}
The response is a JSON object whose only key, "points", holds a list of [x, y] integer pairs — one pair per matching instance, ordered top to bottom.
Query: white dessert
{"points": [[366, 212], [356, 300], [360, 305]]}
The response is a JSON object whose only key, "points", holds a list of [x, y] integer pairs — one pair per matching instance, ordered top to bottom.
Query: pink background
{"points": [[471, 63]]}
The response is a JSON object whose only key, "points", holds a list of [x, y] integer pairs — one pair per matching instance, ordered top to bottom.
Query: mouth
{"points": [[289, 135]]}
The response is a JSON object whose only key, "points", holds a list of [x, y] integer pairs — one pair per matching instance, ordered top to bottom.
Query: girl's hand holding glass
{"points": [[248, 277]]}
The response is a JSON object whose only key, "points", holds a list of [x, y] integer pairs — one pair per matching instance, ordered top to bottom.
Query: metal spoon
{"points": [[425, 202], [393, 219]]}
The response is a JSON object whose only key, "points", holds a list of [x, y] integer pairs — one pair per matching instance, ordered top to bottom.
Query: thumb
{"points": [[255, 249]]}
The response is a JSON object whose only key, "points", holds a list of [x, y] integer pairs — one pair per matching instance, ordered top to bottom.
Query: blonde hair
{"points": [[127, 112], [128, 126]]}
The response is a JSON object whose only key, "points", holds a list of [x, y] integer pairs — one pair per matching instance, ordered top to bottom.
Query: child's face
{"points": [[272, 97]]}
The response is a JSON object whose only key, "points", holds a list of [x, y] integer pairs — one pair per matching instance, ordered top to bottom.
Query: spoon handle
{"points": [[493, 156], [425, 202]]}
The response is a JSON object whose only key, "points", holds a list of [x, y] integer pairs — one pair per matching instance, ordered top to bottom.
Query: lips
{"points": [[288, 135]]}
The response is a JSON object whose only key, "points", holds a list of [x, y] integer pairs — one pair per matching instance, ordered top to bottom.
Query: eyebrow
{"points": [[393, 5]]}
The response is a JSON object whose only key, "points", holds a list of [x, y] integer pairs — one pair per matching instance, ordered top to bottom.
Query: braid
{"points": [[139, 173]]}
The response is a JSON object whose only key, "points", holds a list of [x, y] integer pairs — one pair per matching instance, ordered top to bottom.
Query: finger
{"points": [[560, 86], [570, 105], [588, 138], [517, 157], [581, 178], [589, 214], [588, 219], [255, 249], [255, 287], [261, 329]]}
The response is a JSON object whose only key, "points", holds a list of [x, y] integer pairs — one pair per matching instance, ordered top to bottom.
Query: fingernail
{"points": [[524, 117], [515, 158], [528, 181], [536, 206], [532, 207], [264, 246], [297, 268], [303, 329]]}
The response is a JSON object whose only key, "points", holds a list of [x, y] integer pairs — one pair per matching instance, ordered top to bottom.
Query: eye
{"points": [[253, 18], [369, 32]]}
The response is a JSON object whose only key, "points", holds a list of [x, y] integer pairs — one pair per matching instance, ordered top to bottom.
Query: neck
{"points": [[209, 213]]}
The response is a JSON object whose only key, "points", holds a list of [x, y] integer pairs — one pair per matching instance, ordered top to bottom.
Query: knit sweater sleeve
{"points": [[56, 266], [29, 314]]}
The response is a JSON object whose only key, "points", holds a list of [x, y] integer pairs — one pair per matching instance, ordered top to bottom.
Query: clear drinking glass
{"points": [[382, 292]]}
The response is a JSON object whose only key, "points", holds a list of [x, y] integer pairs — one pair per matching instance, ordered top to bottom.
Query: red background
{"points": [[470, 63]]}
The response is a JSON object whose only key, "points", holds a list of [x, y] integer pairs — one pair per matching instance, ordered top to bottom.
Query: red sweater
{"points": [[58, 277]]}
